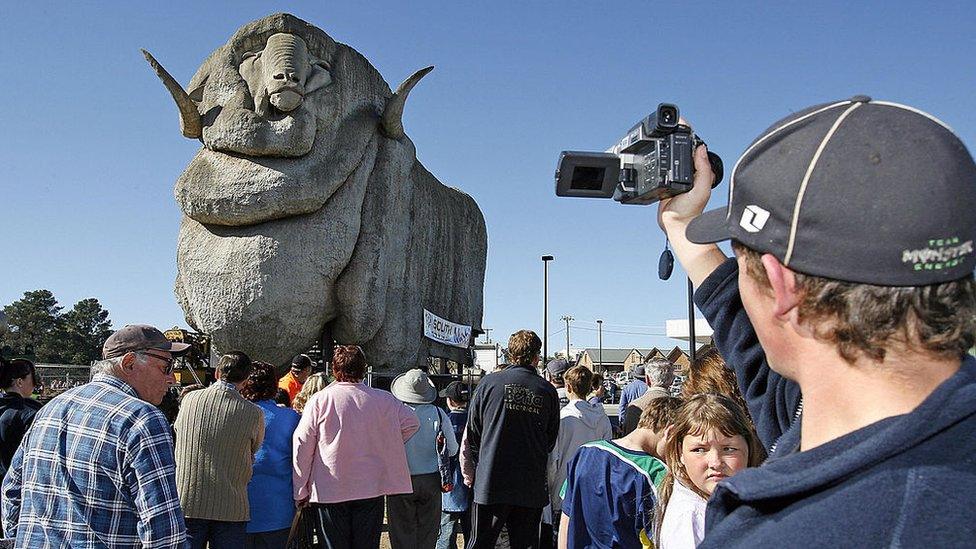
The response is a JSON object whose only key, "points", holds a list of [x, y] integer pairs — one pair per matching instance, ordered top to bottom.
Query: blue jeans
{"points": [[450, 528], [220, 533]]}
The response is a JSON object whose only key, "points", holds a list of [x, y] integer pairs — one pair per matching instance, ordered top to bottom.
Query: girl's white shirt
{"points": [[684, 519]]}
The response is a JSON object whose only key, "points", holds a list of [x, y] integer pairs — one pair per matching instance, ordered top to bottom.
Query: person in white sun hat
{"points": [[415, 518]]}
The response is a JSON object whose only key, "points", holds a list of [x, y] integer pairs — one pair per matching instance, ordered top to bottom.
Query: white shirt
{"points": [[684, 519]]}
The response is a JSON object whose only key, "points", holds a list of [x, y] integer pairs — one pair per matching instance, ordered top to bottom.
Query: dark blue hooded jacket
{"points": [[905, 481]]}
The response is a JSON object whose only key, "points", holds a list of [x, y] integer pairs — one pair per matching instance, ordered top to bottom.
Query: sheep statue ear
{"points": [[249, 68], [319, 76], [392, 122]]}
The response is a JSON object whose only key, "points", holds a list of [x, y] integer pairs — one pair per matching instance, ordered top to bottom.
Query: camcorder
{"points": [[654, 160]]}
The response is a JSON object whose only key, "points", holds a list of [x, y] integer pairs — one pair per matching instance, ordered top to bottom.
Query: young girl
{"points": [[711, 440]]}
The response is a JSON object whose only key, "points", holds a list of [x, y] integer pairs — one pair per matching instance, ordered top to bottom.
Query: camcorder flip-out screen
{"points": [[587, 174]]}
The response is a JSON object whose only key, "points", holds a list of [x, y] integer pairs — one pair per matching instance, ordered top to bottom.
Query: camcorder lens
{"points": [[669, 116]]}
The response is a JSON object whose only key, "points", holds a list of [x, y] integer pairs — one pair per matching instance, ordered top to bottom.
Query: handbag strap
{"points": [[295, 526]]}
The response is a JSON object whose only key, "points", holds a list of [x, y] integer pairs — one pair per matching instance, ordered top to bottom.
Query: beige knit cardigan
{"points": [[217, 434]]}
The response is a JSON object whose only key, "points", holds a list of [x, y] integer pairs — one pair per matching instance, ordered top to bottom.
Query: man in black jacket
{"points": [[512, 426]]}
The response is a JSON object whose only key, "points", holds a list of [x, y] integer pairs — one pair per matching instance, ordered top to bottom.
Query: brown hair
{"points": [[864, 319], [523, 347], [348, 363], [234, 367], [708, 374], [579, 381], [597, 381], [261, 383], [314, 384], [659, 413], [698, 415]]}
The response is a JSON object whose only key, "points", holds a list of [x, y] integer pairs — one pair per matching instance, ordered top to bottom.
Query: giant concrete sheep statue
{"points": [[306, 209]]}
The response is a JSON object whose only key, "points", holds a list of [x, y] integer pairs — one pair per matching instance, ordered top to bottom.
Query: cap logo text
{"points": [[753, 218], [941, 253]]}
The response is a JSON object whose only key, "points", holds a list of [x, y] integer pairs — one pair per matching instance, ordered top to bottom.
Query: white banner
{"points": [[445, 331]]}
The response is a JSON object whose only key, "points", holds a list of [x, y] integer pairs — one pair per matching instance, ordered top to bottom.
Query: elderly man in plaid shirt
{"points": [[96, 469]]}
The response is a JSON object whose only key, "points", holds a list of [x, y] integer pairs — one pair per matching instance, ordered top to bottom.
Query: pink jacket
{"points": [[349, 445]]}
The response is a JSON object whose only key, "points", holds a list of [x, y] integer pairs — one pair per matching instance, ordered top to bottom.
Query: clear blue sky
{"points": [[91, 147]]}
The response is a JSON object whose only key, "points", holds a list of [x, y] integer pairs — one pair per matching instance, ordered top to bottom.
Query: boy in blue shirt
{"points": [[610, 493], [456, 504]]}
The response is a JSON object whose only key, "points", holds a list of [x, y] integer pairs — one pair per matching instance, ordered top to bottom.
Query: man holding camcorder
{"points": [[853, 226]]}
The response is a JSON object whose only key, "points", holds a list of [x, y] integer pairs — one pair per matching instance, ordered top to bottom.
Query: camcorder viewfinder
{"points": [[654, 160]]}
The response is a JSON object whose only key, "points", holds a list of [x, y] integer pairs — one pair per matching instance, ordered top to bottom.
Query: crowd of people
{"points": [[58, 385], [836, 407], [240, 459]]}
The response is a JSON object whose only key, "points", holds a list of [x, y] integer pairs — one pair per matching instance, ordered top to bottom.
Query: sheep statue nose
{"points": [[286, 100]]}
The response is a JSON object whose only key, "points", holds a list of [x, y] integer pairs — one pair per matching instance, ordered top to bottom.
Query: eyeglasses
{"points": [[170, 362]]}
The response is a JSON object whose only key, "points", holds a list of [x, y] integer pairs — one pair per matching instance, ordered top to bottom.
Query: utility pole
{"points": [[545, 307], [567, 318], [599, 324], [488, 334]]}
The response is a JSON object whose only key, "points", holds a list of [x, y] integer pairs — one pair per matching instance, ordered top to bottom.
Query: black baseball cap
{"points": [[857, 190], [139, 337], [301, 362], [557, 367], [456, 391]]}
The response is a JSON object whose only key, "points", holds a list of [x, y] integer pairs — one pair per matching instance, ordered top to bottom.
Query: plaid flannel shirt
{"points": [[96, 469]]}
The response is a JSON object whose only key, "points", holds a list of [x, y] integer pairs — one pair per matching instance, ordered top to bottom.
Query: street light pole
{"points": [[545, 306], [567, 318], [599, 324], [692, 345]]}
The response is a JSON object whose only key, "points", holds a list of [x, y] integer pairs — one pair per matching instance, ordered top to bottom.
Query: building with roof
{"points": [[641, 356], [679, 357], [616, 360], [606, 361]]}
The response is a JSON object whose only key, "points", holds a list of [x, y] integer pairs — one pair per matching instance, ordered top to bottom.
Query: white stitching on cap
{"points": [[916, 111], [806, 179], [728, 212]]}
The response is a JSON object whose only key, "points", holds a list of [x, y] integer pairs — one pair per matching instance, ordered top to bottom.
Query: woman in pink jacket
{"points": [[349, 453]]}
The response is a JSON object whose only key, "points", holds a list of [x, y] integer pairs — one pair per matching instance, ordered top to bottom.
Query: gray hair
{"points": [[108, 366], [111, 366], [659, 372]]}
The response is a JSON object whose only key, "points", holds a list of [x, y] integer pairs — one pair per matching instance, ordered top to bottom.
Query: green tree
{"points": [[32, 325], [85, 328], [37, 329]]}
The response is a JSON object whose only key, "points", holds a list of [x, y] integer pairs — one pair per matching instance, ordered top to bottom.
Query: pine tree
{"points": [[32, 325], [86, 327]]}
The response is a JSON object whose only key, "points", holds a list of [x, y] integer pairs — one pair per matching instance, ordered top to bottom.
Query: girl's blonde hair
{"points": [[314, 384], [698, 415]]}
